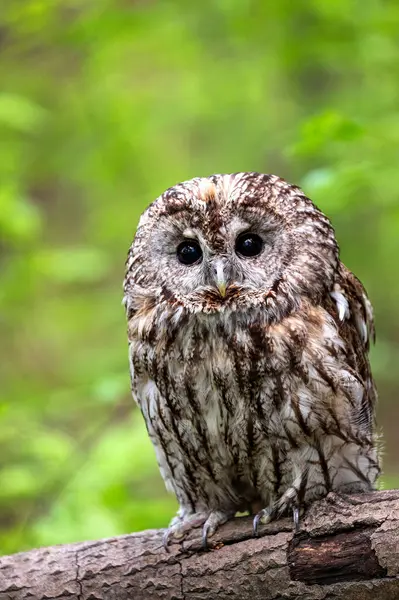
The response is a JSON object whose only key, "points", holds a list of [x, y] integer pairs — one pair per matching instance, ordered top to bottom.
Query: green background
{"points": [[103, 105]]}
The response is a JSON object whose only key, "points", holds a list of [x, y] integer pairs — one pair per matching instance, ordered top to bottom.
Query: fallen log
{"points": [[346, 547]]}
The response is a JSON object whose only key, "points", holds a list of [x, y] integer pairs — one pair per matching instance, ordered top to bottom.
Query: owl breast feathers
{"points": [[248, 350]]}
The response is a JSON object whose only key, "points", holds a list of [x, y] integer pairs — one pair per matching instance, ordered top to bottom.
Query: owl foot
{"points": [[266, 515], [215, 519], [180, 527]]}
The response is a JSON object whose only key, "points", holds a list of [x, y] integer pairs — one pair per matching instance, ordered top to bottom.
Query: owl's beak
{"points": [[220, 277], [222, 288]]}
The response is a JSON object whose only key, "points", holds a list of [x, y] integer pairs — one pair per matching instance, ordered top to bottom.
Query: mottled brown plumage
{"points": [[251, 371]]}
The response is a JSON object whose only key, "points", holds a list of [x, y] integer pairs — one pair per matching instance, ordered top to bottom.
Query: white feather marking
{"points": [[189, 233], [342, 304], [369, 308], [361, 327], [150, 392]]}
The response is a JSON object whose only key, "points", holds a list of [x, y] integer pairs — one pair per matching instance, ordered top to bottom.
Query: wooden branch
{"points": [[346, 548]]}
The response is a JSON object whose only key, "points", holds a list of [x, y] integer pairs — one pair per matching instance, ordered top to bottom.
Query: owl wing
{"points": [[353, 304], [353, 314]]}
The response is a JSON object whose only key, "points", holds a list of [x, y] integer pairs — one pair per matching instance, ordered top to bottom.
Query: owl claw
{"points": [[264, 516], [296, 518], [215, 519], [180, 527], [176, 533], [205, 534], [166, 540]]}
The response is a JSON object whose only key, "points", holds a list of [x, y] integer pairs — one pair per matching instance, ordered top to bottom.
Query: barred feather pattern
{"points": [[262, 397]]}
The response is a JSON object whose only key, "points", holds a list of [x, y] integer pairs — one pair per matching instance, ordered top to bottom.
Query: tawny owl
{"points": [[248, 349]]}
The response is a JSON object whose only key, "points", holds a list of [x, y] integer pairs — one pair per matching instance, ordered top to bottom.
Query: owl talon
{"points": [[264, 516], [296, 518], [215, 519], [181, 526], [176, 533], [205, 534], [166, 539]]}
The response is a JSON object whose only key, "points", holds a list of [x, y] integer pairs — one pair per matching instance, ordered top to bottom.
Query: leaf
{"points": [[20, 113], [319, 131], [20, 220], [69, 265]]}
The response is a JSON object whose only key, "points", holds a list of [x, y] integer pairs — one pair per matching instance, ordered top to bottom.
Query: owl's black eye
{"points": [[249, 244], [189, 252]]}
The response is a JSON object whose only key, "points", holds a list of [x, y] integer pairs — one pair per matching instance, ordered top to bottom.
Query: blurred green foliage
{"points": [[103, 105]]}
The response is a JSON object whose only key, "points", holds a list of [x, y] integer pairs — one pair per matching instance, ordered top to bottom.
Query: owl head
{"points": [[228, 242]]}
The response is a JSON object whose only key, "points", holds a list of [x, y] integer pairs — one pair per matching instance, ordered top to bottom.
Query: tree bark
{"points": [[347, 547]]}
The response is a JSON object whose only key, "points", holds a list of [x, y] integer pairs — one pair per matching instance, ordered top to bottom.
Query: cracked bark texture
{"points": [[346, 548]]}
